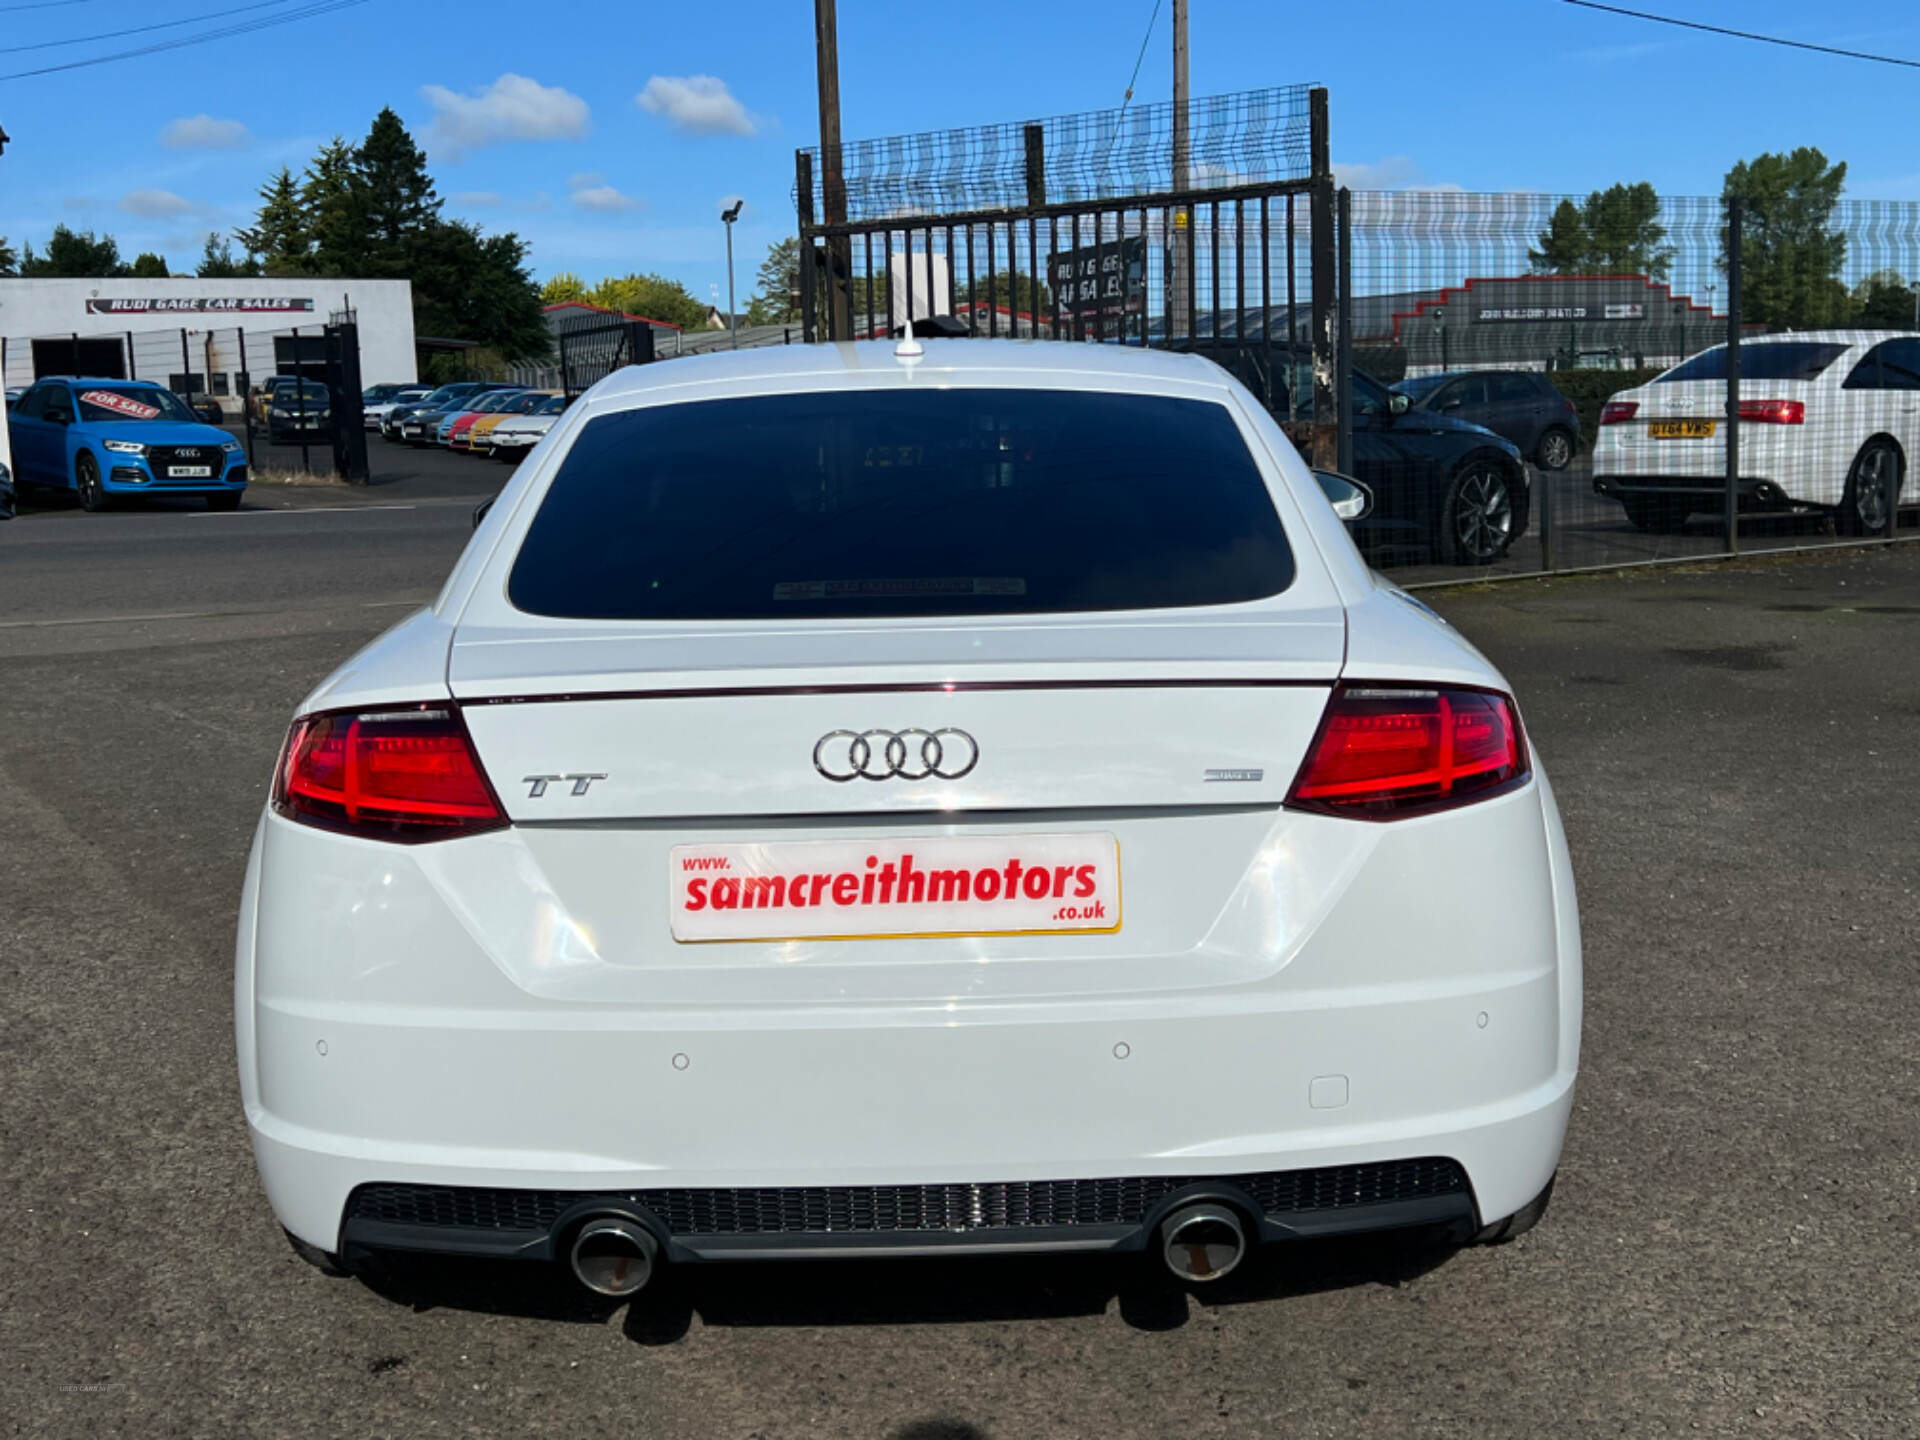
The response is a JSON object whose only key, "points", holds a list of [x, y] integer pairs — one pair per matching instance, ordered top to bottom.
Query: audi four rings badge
{"points": [[895, 754]]}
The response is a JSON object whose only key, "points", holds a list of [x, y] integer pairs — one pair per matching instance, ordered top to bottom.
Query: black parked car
{"points": [[1520, 405], [1443, 489]]}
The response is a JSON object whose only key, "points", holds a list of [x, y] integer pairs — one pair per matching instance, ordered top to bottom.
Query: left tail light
{"points": [[1386, 752], [403, 773]]}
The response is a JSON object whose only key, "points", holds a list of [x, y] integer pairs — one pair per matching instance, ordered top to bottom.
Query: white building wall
{"points": [[209, 310]]}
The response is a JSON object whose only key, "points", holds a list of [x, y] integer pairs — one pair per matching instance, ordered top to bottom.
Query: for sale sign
{"points": [[1109, 279]]}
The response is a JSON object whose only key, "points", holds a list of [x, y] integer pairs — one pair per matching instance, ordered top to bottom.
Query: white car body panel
{"points": [[509, 1009]]}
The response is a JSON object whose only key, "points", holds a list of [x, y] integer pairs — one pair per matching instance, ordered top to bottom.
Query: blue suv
{"points": [[106, 438]]}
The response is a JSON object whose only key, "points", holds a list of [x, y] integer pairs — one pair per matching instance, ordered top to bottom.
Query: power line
{"points": [[264, 22], [141, 29], [1747, 34], [1141, 57]]}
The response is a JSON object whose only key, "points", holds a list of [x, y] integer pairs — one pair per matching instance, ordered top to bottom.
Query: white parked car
{"points": [[377, 411], [1828, 419], [514, 436], [848, 799]]}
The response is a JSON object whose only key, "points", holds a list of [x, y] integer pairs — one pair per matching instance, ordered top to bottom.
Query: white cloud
{"points": [[698, 104], [512, 108], [203, 132], [1393, 172], [580, 180], [603, 198], [477, 199], [157, 204]]}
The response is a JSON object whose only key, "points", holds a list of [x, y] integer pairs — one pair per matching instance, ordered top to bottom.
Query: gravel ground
{"points": [[1732, 1245]]}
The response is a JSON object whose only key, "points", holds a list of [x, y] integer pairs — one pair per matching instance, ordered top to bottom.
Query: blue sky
{"points": [[610, 135]]}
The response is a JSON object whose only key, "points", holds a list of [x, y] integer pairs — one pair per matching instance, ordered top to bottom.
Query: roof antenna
{"points": [[910, 347]]}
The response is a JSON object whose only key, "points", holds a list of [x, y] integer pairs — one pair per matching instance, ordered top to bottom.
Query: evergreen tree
{"points": [[397, 202], [334, 204], [1614, 232], [278, 241], [1563, 244], [74, 254], [1790, 256], [9, 261], [217, 262], [149, 266], [777, 287], [1883, 301]]}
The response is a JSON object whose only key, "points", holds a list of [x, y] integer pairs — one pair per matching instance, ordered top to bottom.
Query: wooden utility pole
{"points": [[833, 179], [1181, 279]]}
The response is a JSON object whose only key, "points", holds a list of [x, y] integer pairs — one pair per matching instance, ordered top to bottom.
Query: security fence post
{"points": [[1734, 209], [1320, 256], [186, 365], [133, 370], [243, 381], [1344, 383]]}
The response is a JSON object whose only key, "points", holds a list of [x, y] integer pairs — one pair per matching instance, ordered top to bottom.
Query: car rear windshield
{"points": [[1778, 360], [924, 502]]}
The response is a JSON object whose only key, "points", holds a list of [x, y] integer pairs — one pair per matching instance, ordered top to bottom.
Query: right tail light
{"points": [[1388, 751]]}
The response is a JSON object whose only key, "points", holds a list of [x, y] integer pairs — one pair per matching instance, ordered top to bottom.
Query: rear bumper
{"points": [[1704, 492], [380, 1046], [1106, 1214]]}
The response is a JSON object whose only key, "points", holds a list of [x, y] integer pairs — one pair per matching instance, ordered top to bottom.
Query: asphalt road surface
{"points": [[1731, 1249]]}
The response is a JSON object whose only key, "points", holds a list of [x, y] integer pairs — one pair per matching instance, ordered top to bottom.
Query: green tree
{"points": [[395, 202], [334, 206], [1615, 231], [1624, 237], [278, 240], [1563, 244], [74, 254], [1790, 254], [9, 261], [217, 261], [149, 266], [469, 286], [563, 287], [653, 297], [776, 299], [1883, 301]]}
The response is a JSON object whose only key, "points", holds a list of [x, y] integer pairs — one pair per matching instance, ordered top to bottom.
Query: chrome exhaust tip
{"points": [[1203, 1242], [613, 1255]]}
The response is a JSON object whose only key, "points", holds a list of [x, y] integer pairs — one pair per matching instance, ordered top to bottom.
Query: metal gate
{"points": [[1209, 256], [592, 349], [344, 404]]}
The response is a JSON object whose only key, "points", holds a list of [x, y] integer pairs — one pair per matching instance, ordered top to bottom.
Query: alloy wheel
{"points": [[1555, 451], [1871, 489], [1482, 515]]}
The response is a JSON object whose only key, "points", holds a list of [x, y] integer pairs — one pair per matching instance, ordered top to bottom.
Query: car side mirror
{"points": [[1399, 404], [1350, 499], [480, 510]]}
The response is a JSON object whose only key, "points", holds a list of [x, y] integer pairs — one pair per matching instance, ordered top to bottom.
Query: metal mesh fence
{"points": [[1236, 140], [1591, 333]]}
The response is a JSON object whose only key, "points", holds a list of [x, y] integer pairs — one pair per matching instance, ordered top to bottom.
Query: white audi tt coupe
{"points": [[900, 799]]}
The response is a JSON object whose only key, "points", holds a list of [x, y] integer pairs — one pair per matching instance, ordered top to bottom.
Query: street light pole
{"points": [[728, 217]]}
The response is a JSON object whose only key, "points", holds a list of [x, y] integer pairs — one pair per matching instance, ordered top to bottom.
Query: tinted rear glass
{"points": [[1780, 360], [929, 502]]}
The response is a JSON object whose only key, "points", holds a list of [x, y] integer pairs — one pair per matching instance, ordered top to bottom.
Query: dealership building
{"points": [[197, 335]]}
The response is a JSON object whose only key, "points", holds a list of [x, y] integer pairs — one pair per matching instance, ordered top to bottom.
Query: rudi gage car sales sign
{"points": [[201, 305]]}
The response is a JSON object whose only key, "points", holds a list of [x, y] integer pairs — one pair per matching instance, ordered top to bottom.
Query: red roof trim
{"points": [[1421, 307], [602, 309]]}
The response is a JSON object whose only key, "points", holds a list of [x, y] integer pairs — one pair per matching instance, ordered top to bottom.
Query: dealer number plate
{"points": [[895, 887]]}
